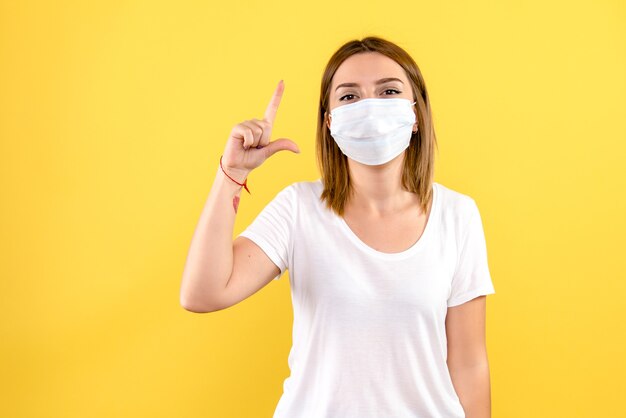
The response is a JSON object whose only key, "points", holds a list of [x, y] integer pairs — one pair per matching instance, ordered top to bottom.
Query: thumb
{"points": [[282, 144]]}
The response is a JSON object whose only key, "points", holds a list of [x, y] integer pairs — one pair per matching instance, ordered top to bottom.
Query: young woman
{"points": [[388, 269]]}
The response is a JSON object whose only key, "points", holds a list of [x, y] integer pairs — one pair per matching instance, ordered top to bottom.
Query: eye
{"points": [[393, 90], [343, 98]]}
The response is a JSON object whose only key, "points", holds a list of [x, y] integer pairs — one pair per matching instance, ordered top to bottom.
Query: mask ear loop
{"points": [[416, 129]]}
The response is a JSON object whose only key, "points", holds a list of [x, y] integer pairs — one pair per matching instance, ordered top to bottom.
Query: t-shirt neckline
{"points": [[419, 244]]}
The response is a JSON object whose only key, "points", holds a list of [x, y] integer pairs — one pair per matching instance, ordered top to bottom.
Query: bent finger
{"points": [[267, 130], [256, 132]]}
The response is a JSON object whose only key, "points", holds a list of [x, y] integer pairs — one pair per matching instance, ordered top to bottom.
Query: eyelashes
{"points": [[345, 97]]}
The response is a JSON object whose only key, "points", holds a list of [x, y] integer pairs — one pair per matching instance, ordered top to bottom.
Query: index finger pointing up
{"points": [[272, 107]]}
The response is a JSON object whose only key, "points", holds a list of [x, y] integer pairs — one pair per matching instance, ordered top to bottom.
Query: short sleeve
{"points": [[271, 230], [471, 277]]}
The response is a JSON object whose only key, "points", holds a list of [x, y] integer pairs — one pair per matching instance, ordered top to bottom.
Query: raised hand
{"points": [[249, 145]]}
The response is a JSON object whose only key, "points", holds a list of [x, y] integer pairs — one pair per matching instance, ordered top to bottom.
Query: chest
{"points": [[388, 234], [404, 261]]}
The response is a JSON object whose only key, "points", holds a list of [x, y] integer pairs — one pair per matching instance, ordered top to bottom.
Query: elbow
{"points": [[197, 299], [194, 306]]}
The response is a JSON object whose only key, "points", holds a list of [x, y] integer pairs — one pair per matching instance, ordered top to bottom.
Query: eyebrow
{"points": [[381, 81]]}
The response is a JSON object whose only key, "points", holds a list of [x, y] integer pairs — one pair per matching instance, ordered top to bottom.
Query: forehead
{"points": [[367, 67]]}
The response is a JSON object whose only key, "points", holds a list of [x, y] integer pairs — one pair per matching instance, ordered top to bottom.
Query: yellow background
{"points": [[113, 115]]}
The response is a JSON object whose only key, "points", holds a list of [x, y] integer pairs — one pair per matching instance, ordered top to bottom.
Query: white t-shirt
{"points": [[369, 336]]}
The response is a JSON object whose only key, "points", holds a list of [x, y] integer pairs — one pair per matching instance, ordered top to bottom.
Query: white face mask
{"points": [[373, 131]]}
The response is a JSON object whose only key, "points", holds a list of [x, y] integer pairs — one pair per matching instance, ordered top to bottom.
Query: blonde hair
{"points": [[418, 169]]}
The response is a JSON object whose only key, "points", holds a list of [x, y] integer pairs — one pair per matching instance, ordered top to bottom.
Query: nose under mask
{"points": [[373, 131]]}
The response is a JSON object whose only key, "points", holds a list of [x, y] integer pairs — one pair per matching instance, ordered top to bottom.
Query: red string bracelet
{"points": [[245, 182]]}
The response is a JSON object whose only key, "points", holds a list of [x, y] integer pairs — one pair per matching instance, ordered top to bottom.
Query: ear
{"points": [[327, 119]]}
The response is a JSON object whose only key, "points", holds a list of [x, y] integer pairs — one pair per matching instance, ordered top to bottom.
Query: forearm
{"points": [[210, 258], [472, 385]]}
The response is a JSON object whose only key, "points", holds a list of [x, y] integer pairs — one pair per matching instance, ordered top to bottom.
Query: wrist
{"points": [[234, 174], [237, 176]]}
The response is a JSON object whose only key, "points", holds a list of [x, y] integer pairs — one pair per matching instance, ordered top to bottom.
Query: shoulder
{"points": [[313, 186], [304, 190], [302, 194], [454, 200], [456, 207]]}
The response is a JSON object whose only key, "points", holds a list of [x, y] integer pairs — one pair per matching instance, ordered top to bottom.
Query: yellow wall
{"points": [[113, 115]]}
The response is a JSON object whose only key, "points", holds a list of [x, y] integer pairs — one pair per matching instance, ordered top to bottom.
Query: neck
{"points": [[378, 189]]}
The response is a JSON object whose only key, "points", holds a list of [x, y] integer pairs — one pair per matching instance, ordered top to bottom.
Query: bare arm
{"points": [[210, 258], [219, 273], [467, 357]]}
